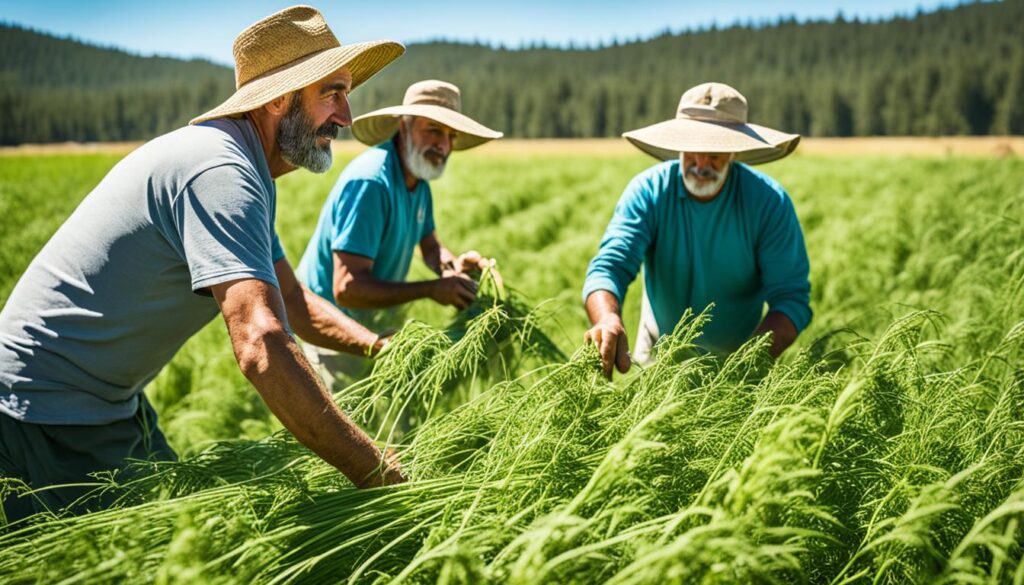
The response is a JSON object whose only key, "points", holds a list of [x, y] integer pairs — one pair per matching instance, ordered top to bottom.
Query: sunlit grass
{"points": [[885, 447]]}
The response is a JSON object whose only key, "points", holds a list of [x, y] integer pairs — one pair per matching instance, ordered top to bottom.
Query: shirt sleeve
{"points": [[359, 217], [224, 221], [428, 222], [624, 244], [277, 251], [785, 269]]}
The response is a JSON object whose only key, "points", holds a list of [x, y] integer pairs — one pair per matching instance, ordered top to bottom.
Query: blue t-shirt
{"points": [[369, 212], [742, 249], [113, 294]]}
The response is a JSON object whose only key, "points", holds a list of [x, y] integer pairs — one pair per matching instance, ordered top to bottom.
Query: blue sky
{"points": [[206, 28]]}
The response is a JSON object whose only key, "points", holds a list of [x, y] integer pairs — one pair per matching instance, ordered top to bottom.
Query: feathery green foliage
{"points": [[886, 447]]}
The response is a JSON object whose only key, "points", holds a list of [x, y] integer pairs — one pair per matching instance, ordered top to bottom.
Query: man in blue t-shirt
{"points": [[381, 209], [708, 229], [180, 230]]}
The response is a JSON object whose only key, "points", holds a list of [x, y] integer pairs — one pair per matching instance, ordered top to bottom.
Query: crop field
{"points": [[886, 446]]}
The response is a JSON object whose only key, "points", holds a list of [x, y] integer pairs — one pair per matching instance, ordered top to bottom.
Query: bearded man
{"points": [[381, 208], [181, 229], [708, 229]]}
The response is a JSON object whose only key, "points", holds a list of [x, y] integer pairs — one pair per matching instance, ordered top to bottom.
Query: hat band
{"points": [[428, 101], [709, 115]]}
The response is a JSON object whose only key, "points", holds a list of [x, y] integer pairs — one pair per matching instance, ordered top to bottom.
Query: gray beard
{"points": [[296, 137], [417, 163], [705, 189]]}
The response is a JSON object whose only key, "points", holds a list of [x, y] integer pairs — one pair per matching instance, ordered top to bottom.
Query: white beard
{"points": [[418, 165], [704, 189]]}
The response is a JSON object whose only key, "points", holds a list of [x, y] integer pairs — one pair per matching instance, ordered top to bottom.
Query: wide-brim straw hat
{"points": [[289, 50], [438, 100], [712, 118]]}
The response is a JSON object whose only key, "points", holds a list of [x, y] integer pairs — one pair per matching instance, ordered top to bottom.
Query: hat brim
{"points": [[363, 60], [380, 125], [752, 144]]}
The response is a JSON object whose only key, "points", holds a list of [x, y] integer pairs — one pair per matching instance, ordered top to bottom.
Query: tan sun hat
{"points": [[289, 50], [438, 100], [712, 118]]}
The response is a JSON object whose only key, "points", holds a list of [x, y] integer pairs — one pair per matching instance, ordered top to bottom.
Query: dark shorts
{"points": [[52, 455]]}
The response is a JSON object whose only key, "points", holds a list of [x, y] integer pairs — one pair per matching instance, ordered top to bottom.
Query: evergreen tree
{"points": [[952, 71], [1009, 117]]}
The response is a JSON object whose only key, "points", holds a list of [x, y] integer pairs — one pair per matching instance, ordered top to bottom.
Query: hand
{"points": [[472, 261], [458, 291], [610, 336], [383, 338], [393, 470], [391, 475]]}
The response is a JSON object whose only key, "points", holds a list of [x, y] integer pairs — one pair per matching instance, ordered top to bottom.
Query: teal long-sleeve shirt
{"points": [[742, 249]]}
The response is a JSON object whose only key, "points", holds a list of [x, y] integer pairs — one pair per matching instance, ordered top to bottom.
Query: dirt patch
{"points": [[984, 146], [70, 148]]}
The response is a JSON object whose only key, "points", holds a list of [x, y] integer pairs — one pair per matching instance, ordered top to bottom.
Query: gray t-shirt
{"points": [[123, 283]]}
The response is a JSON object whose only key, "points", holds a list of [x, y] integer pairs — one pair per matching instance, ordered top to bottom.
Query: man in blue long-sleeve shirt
{"points": [[708, 229]]}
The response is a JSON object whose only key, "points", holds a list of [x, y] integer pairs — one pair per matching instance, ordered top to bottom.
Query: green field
{"points": [[886, 446]]}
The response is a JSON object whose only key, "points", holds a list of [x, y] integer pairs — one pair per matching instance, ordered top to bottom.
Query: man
{"points": [[381, 208], [180, 229], [708, 229]]}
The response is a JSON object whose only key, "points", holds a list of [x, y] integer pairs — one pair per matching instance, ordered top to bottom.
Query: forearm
{"points": [[437, 258], [447, 259], [367, 292], [602, 304], [319, 322], [783, 332], [274, 364]]}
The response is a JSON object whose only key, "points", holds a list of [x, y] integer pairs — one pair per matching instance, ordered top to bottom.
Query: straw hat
{"points": [[289, 50], [438, 100], [712, 118]]}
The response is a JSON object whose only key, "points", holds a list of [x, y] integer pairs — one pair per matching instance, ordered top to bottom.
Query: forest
{"points": [[954, 71]]}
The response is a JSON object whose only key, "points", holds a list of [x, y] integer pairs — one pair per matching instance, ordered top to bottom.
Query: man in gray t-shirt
{"points": [[181, 229]]}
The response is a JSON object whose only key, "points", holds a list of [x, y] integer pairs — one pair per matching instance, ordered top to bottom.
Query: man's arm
{"points": [[436, 256], [439, 259], [618, 260], [785, 275], [356, 287], [319, 322], [782, 329], [608, 332], [268, 356]]}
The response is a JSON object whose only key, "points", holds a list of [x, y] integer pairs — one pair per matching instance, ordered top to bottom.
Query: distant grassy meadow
{"points": [[886, 446]]}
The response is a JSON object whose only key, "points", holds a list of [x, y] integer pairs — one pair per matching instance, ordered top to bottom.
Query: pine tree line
{"points": [[957, 71]]}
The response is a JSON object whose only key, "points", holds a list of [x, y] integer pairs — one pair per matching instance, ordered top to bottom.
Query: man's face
{"points": [[314, 115], [426, 146], [704, 174]]}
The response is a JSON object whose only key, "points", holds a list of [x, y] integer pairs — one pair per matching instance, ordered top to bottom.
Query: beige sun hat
{"points": [[289, 50], [438, 100], [712, 118]]}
